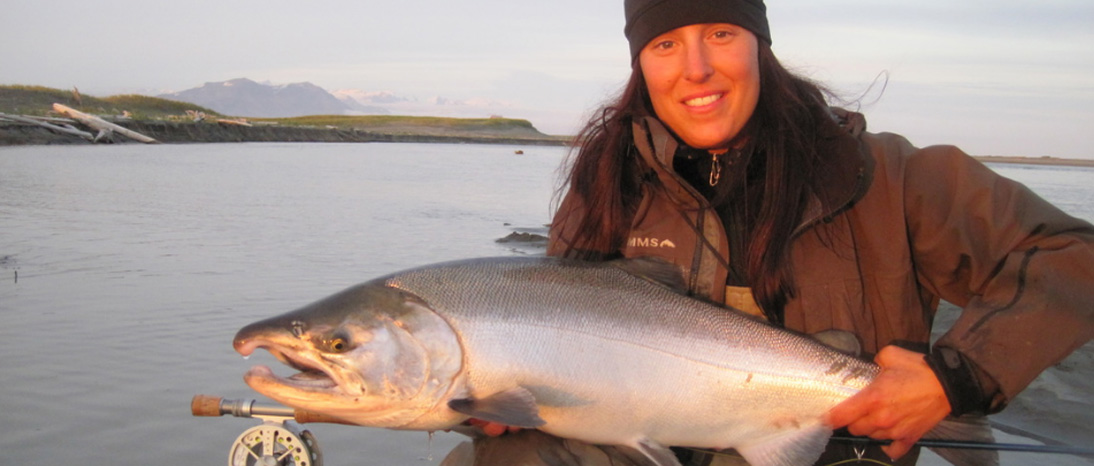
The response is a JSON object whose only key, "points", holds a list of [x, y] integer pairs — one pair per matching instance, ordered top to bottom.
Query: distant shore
{"points": [[30, 115], [189, 132], [205, 132], [1046, 160]]}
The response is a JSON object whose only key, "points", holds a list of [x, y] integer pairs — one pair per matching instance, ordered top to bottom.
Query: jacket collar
{"points": [[657, 147], [848, 173]]}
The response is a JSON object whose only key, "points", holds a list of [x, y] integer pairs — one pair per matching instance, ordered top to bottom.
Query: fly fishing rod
{"points": [[214, 406], [279, 441], [967, 445]]}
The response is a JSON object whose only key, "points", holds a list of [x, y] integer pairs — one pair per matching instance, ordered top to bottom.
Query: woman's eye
{"points": [[723, 34], [664, 45]]}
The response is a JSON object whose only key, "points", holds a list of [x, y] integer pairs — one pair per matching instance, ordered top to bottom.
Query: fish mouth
{"points": [[313, 376], [310, 381]]}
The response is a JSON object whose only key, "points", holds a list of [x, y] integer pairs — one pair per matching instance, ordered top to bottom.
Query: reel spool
{"points": [[279, 441], [276, 444]]}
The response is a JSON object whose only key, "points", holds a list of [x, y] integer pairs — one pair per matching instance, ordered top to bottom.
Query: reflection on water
{"points": [[137, 264]]}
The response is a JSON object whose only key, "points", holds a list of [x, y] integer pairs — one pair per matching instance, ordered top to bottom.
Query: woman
{"points": [[719, 160]]}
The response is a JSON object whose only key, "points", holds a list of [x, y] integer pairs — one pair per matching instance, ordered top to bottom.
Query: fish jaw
{"points": [[381, 368], [316, 377]]}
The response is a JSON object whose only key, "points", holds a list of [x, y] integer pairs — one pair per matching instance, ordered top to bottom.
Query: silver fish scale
{"points": [[601, 299]]}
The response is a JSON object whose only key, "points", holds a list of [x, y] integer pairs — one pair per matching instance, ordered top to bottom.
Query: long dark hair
{"points": [[784, 167], [604, 173]]}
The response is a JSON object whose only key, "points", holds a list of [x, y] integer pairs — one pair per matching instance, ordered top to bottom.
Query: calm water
{"points": [[137, 264]]}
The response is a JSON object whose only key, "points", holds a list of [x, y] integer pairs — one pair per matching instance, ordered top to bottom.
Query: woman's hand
{"points": [[903, 403], [492, 429]]}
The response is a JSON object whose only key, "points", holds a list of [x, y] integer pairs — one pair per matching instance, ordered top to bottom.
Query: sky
{"points": [[994, 77]]}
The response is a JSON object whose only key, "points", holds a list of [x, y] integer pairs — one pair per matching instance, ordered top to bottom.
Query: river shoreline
{"points": [[15, 134], [1046, 160]]}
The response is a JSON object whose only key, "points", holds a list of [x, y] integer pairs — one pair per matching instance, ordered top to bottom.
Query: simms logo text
{"points": [[637, 242]]}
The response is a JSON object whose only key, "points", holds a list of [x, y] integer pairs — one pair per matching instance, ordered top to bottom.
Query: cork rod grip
{"points": [[206, 406]]}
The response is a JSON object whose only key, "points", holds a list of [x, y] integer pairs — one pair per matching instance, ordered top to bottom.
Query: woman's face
{"points": [[704, 81]]}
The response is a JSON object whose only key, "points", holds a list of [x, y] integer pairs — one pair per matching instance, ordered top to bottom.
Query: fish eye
{"points": [[338, 344]]}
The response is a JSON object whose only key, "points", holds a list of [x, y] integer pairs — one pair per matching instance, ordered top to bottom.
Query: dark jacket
{"points": [[906, 227]]}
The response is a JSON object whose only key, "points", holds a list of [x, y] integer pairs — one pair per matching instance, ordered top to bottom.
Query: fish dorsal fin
{"points": [[654, 269], [840, 340], [513, 407], [791, 448]]}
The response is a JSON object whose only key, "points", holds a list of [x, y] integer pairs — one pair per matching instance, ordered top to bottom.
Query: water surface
{"points": [[126, 270]]}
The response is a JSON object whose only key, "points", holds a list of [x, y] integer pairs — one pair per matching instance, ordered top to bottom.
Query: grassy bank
{"points": [[38, 101], [172, 121], [396, 123], [404, 126]]}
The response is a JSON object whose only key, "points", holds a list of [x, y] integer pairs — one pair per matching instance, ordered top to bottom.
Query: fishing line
{"points": [[963, 445], [859, 460]]}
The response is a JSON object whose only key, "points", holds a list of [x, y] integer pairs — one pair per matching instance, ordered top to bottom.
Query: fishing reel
{"points": [[279, 441], [272, 444]]}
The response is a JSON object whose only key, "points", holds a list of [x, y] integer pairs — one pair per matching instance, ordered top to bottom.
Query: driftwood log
{"points": [[104, 127], [66, 129]]}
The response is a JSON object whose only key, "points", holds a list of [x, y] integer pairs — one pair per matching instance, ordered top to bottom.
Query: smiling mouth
{"points": [[701, 101]]}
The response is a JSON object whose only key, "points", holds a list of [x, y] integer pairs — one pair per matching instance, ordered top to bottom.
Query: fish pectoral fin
{"points": [[513, 407], [968, 429], [791, 448]]}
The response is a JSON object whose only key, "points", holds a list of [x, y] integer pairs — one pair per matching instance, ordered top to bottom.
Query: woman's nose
{"points": [[698, 64]]}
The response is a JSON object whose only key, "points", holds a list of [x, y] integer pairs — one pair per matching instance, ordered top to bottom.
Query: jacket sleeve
{"points": [[1022, 270]]}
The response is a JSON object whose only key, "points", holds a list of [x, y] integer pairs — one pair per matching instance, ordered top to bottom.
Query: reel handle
{"points": [[215, 406]]}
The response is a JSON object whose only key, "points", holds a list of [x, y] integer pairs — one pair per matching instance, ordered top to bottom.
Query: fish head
{"points": [[371, 355]]}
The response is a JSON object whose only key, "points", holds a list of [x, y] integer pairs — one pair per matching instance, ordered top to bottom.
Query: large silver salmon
{"points": [[596, 352]]}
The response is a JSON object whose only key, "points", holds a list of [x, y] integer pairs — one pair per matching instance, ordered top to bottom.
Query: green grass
{"points": [[34, 100], [38, 100], [141, 106], [390, 121]]}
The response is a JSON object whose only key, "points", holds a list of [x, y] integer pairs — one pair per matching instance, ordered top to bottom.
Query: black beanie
{"points": [[647, 19]]}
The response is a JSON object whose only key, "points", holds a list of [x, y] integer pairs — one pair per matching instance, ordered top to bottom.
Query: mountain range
{"points": [[243, 97], [246, 98]]}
